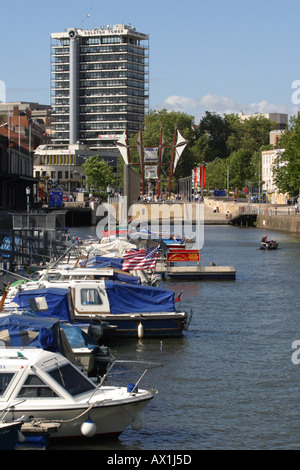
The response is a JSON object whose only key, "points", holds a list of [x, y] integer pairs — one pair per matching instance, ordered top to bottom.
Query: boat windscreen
{"points": [[5, 379], [71, 380]]}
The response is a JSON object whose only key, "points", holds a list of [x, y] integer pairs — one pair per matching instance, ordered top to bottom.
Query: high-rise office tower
{"points": [[99, 85]]}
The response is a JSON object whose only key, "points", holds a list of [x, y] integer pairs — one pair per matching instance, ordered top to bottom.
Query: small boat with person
{"points": [[266, 244]]}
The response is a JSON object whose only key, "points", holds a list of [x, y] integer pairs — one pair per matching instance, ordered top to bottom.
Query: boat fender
{"points": [[140, 330], [88, 428]]}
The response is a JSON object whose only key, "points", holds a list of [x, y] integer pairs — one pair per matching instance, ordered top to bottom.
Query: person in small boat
{"points": [[264, 239]]}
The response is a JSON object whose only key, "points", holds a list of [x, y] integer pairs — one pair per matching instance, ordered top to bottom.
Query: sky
{"points": [[218, 56]]}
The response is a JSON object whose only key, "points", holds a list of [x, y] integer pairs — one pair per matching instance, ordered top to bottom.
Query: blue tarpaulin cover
{"points": [[103, 261], [125, 278], [124, 298], [58, 302], [18, 327], [78, 338]]}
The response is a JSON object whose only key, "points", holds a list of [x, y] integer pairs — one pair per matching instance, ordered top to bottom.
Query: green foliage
{"points": [[216, 129], [249, 134], [221, 142], [230, 143], [287, 167], [239, 168], [216, 173], [98, 174]]}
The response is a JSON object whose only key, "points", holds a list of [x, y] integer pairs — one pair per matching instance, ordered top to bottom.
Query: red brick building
{"points": [[16, 160]]}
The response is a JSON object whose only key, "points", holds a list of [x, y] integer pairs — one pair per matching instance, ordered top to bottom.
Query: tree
{"points": [[217, 130], [287, 167], [240, 168], [216, 173], [98, 174]]}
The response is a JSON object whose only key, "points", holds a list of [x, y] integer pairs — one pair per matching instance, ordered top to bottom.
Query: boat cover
{"points": [[103, 261], [116, 263], [121, 277], [124, 298], [51, 302], [26, 330], [78, 338]]}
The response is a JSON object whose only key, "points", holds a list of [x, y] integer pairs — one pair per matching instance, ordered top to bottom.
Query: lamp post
{"points": [[109, 189], [28, 196]]}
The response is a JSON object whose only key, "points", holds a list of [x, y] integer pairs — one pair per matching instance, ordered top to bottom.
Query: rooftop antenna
{"points": [[87, 16]]}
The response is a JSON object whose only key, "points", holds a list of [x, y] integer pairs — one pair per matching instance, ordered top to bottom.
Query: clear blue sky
{"points": [[222, 56]]}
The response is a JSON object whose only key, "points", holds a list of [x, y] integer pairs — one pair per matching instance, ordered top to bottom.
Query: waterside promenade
{"points": [[211, 212], [221, 212]]}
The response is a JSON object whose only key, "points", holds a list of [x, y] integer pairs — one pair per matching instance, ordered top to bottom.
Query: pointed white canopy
{"points": [[121, 143], [179, 148]]}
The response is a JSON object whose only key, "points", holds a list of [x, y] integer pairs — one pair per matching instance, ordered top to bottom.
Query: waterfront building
{"points": [[99, 85], [38, 117], [61, 166], [15, 171], [268, 184]]}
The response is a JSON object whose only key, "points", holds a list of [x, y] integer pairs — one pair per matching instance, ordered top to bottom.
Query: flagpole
{"points": [[159, 161], [172, 161], [142, 163]]}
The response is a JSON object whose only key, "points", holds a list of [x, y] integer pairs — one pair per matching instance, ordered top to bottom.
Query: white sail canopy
{"points": [[121, 143], [179, 148]]}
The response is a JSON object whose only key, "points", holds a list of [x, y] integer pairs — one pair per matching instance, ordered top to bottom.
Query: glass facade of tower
{"points": [[99, 84]]}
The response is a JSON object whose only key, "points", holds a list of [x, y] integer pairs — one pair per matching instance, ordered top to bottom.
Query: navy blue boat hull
{"points": [[152, 327], [9, 435]]}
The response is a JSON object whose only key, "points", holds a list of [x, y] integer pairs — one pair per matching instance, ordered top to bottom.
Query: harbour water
{"points": [[230, 382]]}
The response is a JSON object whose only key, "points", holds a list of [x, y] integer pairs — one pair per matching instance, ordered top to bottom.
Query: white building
{"points": [[99, 85], [280, 119], [61, 166], [269, 186]]}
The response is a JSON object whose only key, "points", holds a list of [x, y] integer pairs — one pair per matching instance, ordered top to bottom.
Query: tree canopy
{"points": [[221, 142], [225, 144], [287, 166], [98, 174]]}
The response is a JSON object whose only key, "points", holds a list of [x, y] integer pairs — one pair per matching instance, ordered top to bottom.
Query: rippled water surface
{"points": [[229, 383]]}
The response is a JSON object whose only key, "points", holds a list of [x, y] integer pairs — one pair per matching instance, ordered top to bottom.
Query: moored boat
{"points": [[134, 310], [25, 328], [45, 386], [9, 434]]}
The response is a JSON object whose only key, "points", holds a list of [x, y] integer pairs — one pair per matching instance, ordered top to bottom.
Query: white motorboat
{"points": [[43, 386]]}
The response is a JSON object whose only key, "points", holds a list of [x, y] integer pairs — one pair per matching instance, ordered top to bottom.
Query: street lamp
{"points": [[109, 190], [28, 195]]}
